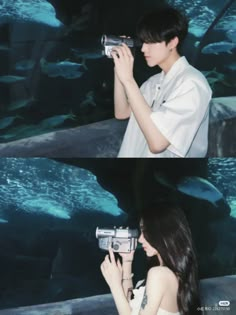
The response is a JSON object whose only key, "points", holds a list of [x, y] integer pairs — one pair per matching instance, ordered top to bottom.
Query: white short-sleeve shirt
{"points": [[180, 110]]}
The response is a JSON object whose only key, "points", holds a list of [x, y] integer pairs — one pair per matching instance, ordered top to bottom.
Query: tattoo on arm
{"points": [[130, 293], [144, 301]]}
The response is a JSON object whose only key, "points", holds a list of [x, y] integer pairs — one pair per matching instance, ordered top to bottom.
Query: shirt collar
{"points": [[180, 64]]}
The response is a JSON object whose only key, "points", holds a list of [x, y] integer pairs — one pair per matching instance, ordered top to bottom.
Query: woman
{"points": [[171, 285]]}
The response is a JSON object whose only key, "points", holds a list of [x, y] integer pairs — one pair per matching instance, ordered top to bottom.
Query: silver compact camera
{"points": [[110, 41], [121, 240]]}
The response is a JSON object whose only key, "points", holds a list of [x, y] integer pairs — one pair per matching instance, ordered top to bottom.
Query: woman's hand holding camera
{"points": [[127, 257], [112, 270]]}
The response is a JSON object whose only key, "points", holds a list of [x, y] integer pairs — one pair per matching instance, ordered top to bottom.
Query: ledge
{"points": [[103, 139], [212, 290]]}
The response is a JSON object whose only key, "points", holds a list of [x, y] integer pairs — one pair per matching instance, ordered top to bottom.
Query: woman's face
{"points": [[150, 251]]}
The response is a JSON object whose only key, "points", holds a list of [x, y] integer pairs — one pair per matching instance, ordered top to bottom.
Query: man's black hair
{"points": [[162, 25]]}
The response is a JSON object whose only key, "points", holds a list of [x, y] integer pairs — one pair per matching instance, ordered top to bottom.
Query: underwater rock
{"points": [[38, 11], [222, 108], [222, 128], [215, 290]]}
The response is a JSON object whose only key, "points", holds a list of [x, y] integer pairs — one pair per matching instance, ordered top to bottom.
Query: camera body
{"points": [[110, 41], [121, 240]]}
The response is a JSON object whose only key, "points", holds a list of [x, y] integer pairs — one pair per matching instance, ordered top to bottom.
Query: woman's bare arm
{"points": [[127, 281]]}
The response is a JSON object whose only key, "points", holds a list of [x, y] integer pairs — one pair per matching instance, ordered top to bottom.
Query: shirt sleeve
{"points": [[179, 118]]}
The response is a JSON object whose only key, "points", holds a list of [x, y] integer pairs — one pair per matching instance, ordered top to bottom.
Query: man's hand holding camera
{"points": [[124, 62]]}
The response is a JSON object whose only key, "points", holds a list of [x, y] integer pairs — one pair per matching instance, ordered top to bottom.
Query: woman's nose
{"points": [[140, 239]]}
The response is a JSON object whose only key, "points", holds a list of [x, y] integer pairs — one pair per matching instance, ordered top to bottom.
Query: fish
{"points": [[80, 23], [228, 23], [231, 35], [4, 47], [219, 47], [87, 54], [24, 65], [231, 67], [65, 69], [213, 76], [11, 78], [89, 100], [20, 104], [56, 120], [7, 121], [21, 131], [193, 186], [200, 188], [3, 221]]}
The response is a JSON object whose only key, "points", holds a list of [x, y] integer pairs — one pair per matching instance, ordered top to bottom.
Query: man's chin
{"points": [[150, 64]]}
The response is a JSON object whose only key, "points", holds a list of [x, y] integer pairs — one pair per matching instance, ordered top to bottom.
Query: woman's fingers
{"points": [[112, 257], [107, 260]]}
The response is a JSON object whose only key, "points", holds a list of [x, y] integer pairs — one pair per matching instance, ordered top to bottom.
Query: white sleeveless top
{"points": [[136, 302]]}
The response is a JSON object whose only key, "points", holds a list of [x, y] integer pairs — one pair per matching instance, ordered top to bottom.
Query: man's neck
{"points": [[169, 62]]}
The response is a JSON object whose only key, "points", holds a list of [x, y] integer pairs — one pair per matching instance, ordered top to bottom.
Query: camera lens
{"points": [[103, 40], [115, 246]]}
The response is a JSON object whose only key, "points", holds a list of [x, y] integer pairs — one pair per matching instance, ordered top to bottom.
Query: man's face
{"points": [[156, 53]]}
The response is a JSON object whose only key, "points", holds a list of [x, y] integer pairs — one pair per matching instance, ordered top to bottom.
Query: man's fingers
{"points": [[127, 50], [119, 264]]}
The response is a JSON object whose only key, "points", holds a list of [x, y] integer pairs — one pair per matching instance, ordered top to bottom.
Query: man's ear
{"points": [[173, 43]]}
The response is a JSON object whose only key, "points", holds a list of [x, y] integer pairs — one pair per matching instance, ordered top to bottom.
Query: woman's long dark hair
{"points": [[166, 229]]}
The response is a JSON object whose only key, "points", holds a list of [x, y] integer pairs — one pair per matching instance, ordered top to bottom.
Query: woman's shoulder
{"points": [[162, 273]]}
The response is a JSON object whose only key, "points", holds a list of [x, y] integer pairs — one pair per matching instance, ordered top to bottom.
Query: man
{"points": [[169, 114]]}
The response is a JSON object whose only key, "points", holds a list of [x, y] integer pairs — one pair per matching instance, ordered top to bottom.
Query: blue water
{"points": [[40, 11], [43, 31], [222, 173], [43, 186]]}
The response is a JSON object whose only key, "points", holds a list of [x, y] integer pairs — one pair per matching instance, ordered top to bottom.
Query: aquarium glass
{"points": [[53, 71], [49, 212]]}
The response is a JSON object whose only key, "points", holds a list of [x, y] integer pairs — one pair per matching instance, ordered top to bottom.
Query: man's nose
{"points": [[143, 47]]}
